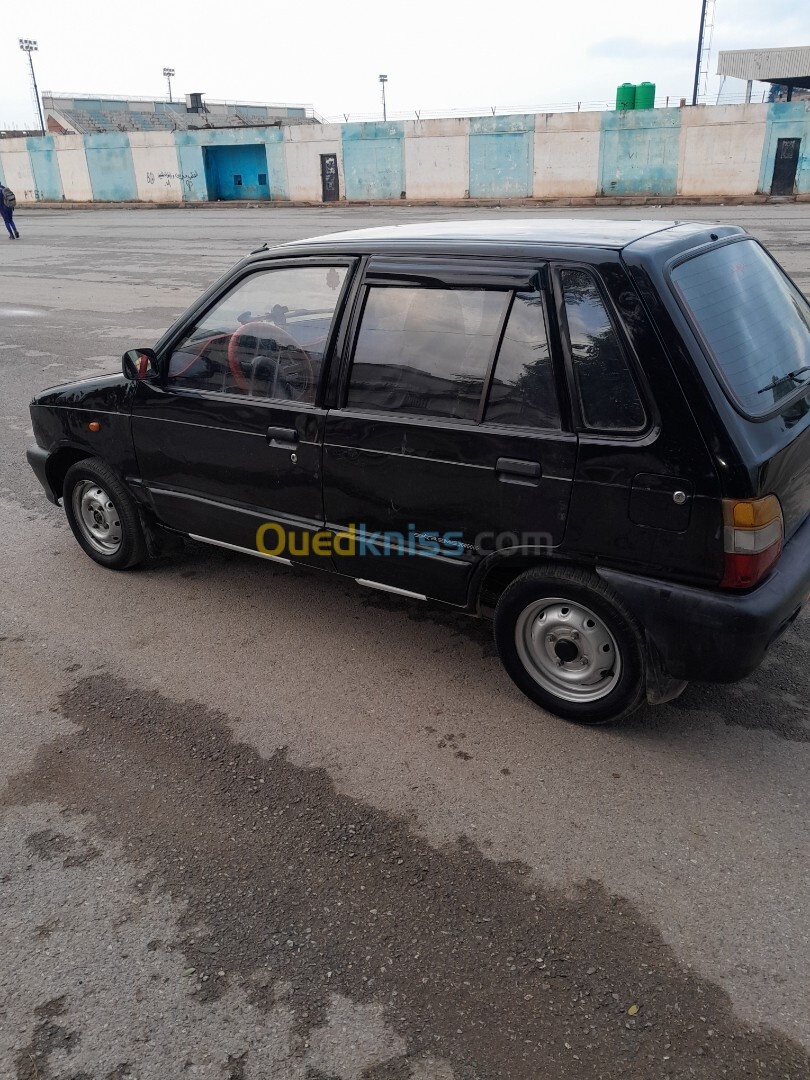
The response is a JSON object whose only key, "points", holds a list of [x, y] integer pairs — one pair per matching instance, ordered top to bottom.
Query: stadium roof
{"points": [[788, 67]]}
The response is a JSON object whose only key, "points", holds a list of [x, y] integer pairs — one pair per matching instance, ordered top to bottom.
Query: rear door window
{"points": [[754, 322], [425, 352], [523, 391], [608, 396]]}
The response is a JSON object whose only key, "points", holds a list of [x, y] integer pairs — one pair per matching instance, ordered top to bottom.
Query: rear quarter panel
{"points": [[600, 523]]}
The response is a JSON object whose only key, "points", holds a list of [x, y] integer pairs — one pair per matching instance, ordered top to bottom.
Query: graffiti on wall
{"points": [[167, 177]]}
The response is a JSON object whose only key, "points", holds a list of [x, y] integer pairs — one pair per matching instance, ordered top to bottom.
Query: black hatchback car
{"points": [[596, 432]]}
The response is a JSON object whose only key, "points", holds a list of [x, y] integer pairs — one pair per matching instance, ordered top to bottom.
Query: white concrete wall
{"points": [[303, 145], [721, 150], [706, 152], [566, 155], [437, 159], [155, 162], [16, 165], [73, 168]]}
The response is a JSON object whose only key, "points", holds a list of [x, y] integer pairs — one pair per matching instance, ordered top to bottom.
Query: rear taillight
{"points": [[752, 540]]}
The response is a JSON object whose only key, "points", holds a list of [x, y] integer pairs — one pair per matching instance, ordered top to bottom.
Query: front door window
{"points": [[264, 339]]}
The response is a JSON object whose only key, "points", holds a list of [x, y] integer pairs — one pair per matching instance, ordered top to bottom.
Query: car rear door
{"points": [[234, 437], [450, 438]]}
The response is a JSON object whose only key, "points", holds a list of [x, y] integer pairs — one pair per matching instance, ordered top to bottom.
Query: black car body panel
{"points": [[60, 418], [641, 506], [718, 636]]}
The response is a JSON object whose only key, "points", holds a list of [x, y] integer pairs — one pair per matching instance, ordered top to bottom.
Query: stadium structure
{"points": [[90, 114]]}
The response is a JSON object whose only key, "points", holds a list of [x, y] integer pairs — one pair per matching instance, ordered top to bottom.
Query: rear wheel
{"points": [[103, 515], [571, 645]]}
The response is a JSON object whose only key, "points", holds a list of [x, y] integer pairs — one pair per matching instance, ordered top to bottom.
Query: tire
{"points": [[103, 515], [571, 645]]}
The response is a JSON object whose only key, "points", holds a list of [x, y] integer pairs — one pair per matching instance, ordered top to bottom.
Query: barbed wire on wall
{"points": [[661, 102]]}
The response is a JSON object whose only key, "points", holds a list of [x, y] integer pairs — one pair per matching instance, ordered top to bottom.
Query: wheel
{"points": [[103, 515], [571, 645]]}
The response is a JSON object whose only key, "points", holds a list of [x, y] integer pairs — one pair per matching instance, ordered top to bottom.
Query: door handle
{"points": [[282, 436], [516, 471]]}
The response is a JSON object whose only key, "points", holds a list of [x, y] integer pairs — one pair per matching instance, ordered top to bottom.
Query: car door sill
{"points": [[244, 550], [390, 588]]}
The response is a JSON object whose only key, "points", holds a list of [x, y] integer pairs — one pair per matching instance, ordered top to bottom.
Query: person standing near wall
{"points": [[8, 201]]}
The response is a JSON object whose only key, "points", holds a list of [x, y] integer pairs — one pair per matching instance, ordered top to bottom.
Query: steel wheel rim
{"points": [[97, 517], [568, 650]]}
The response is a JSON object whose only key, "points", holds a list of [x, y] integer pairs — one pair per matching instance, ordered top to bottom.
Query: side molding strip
{"points": [[244, 550], [390, 588]]}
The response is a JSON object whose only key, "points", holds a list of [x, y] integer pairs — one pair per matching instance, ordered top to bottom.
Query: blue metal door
{"points": [[236, 172]]}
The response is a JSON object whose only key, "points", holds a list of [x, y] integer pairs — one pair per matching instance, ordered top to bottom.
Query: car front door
{"points": [[233, 438], [449, 440]]}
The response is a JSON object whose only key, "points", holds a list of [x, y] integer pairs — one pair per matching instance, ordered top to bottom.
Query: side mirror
{"points": [[136, 364]]}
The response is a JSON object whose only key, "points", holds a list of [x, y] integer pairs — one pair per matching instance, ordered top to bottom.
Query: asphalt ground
{"points": [[261, 824]]}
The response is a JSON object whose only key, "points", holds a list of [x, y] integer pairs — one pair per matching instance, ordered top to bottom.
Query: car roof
{"points": [[590, 232]]}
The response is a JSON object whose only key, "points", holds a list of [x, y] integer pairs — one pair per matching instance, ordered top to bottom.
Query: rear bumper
{"points": [[38, 460], [718, 636]]}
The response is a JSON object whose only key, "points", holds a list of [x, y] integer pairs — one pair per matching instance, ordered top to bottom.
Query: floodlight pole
{"points": [[703, 7], [30, 47], [168, 74], [383, 81]]}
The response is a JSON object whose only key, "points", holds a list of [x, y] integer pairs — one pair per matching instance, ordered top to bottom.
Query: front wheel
{"points": [[103, 515], [570, 645]]}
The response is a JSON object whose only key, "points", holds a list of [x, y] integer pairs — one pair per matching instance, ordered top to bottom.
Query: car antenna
{"points": [[264, 247]]}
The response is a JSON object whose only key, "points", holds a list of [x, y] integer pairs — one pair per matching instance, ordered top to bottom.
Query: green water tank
{"points": [[645, 95], [626, 96]]}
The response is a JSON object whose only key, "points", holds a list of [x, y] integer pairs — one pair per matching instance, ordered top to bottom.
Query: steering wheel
{"points": [[295, 368]]}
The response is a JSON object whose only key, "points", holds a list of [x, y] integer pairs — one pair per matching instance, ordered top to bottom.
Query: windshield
{"points": [[755, 322]]}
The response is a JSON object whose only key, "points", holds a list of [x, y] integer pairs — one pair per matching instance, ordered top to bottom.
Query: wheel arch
{"points": [[58, 464], [498, 570]]}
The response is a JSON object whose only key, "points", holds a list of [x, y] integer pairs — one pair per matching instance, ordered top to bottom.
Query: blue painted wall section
{"points": [[787, 120], [638, 152], [501, 156], [373, 160], [109, 162], [276, 163], [192, 166], [45, 168]]}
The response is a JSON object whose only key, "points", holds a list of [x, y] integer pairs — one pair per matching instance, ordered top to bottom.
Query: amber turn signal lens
{"points": [[94, 425], [751, 513]]}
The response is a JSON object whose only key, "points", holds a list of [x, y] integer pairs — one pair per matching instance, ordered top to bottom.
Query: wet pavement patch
{"points": [[48, 844], [286, 883], [49, 1035]]}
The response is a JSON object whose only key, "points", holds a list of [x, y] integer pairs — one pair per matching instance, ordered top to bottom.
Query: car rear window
{"points": [[754, 321]]}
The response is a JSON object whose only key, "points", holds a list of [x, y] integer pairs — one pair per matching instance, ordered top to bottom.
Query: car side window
{"points": [[265, 338], [424, 351], [523, 391], [607, 391]]}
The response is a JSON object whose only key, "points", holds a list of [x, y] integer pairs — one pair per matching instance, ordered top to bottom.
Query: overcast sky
{"points": [[440, 54]]}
